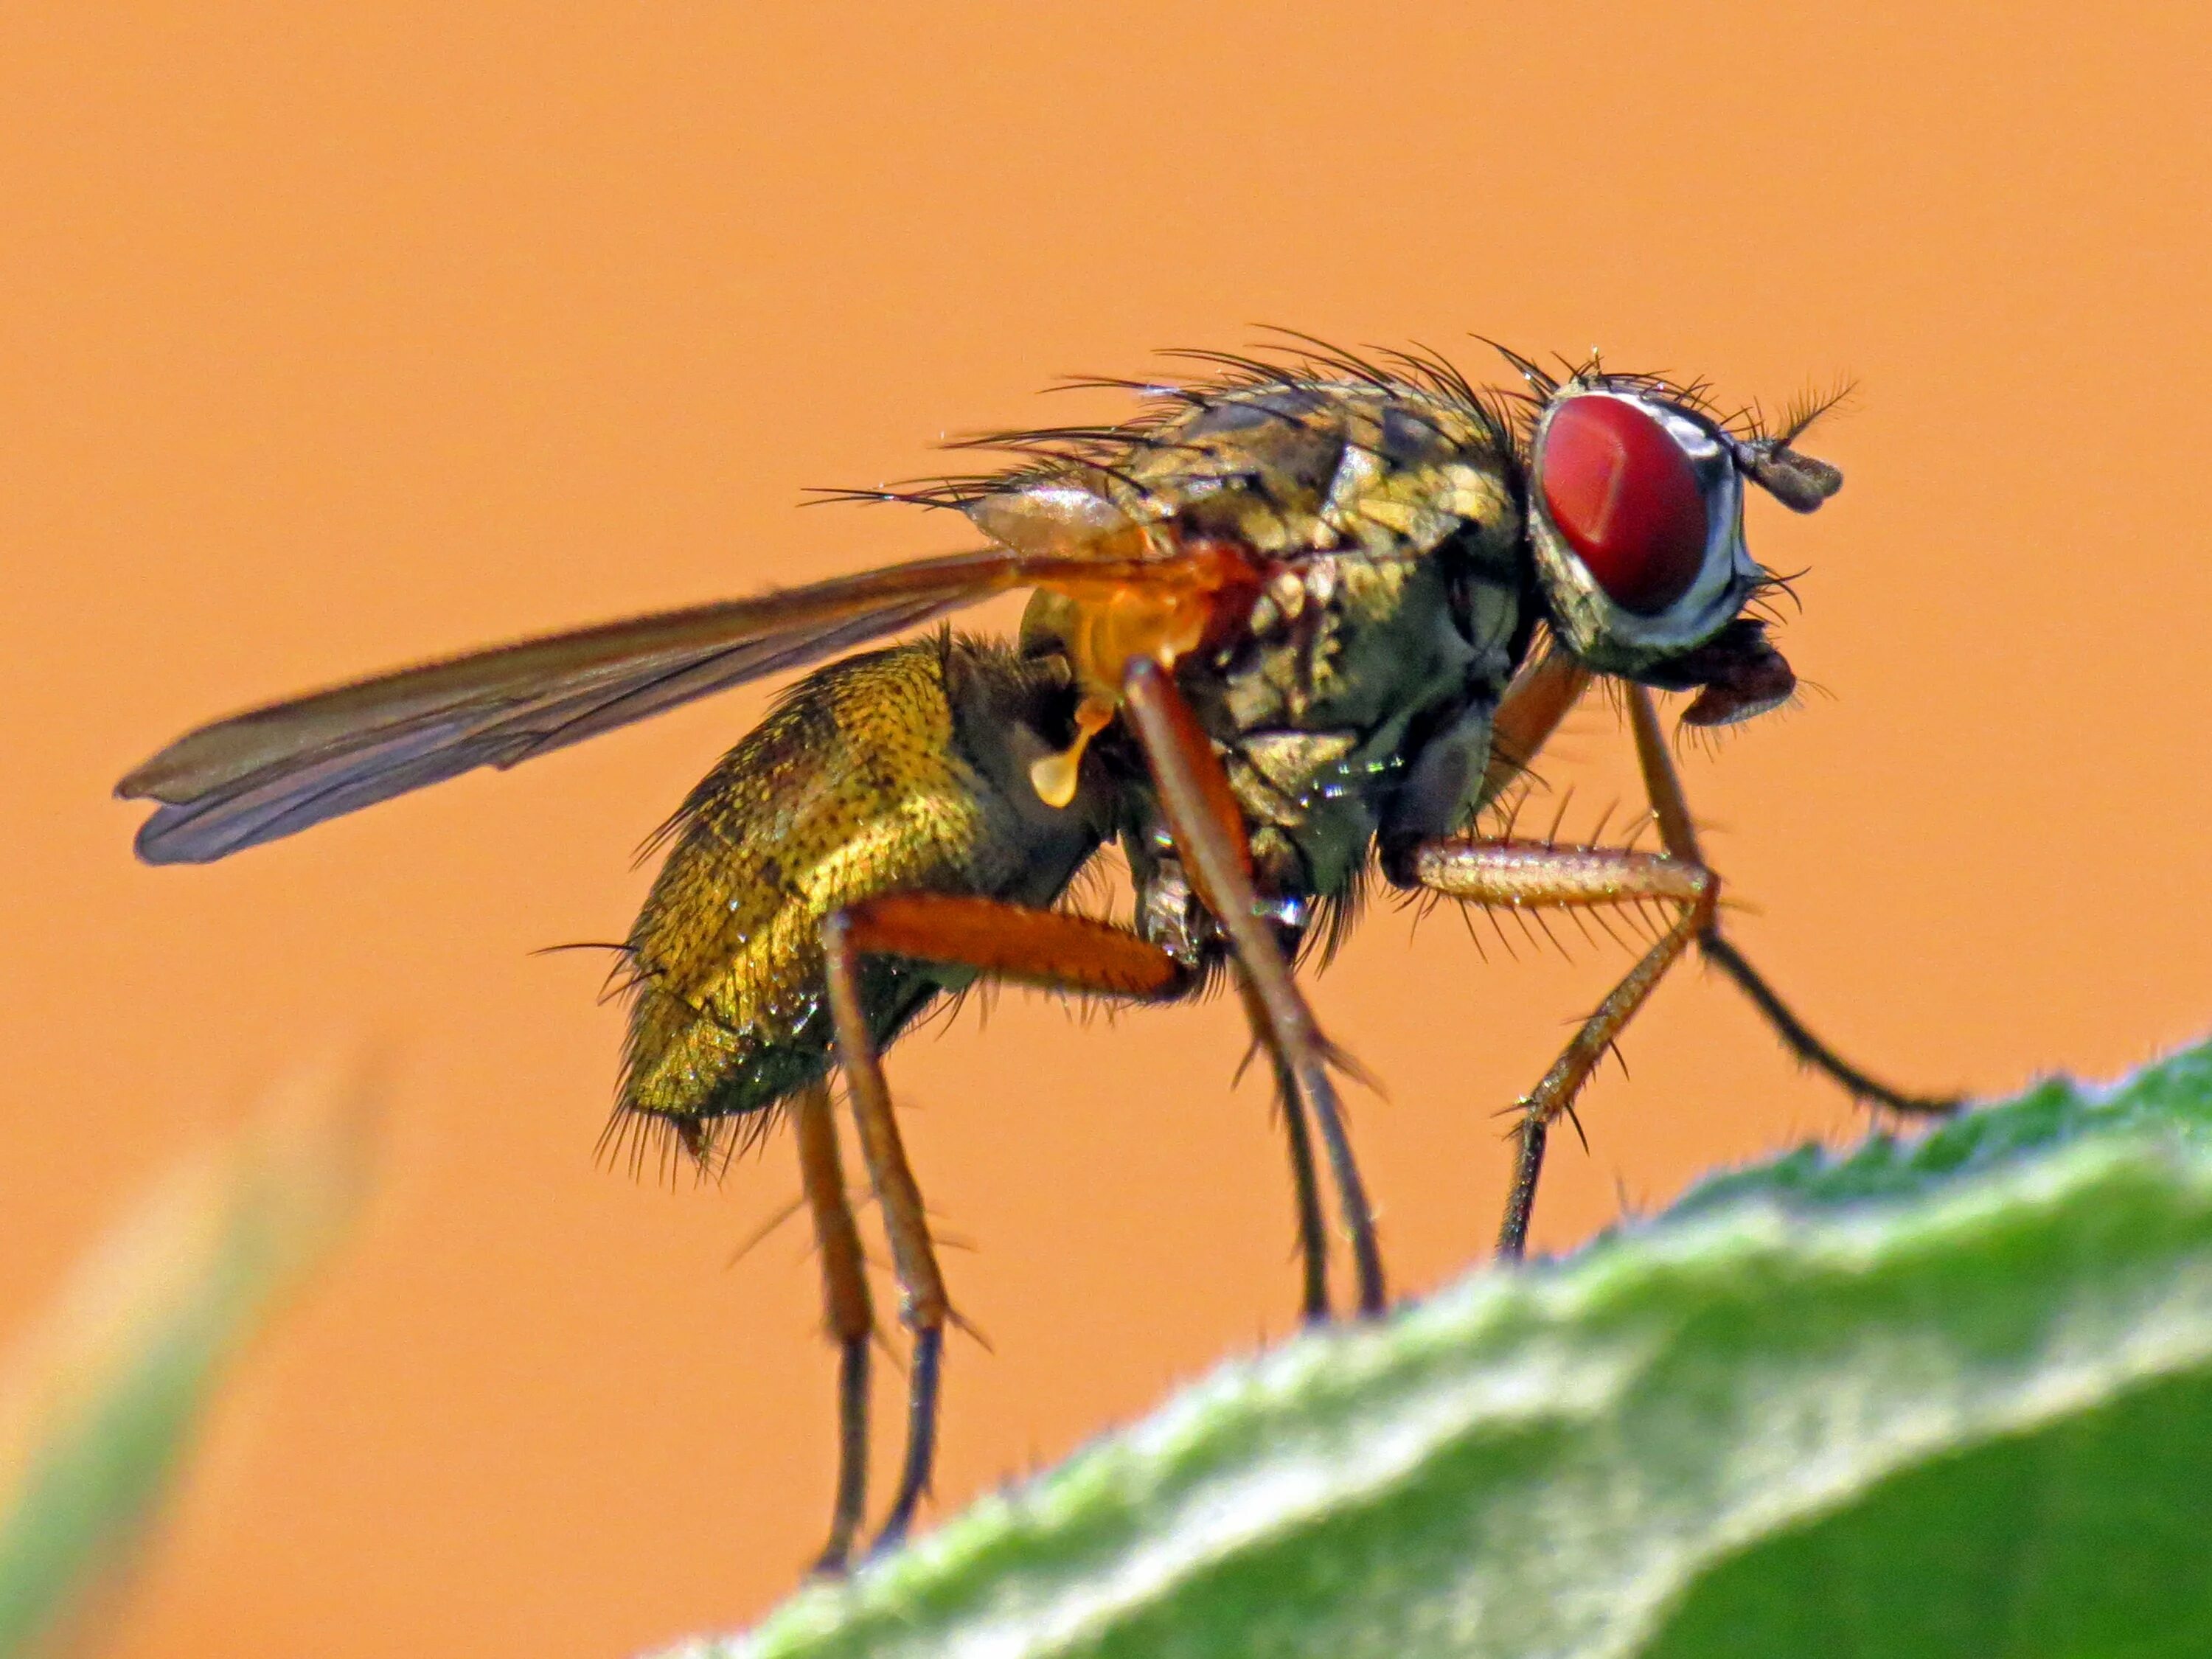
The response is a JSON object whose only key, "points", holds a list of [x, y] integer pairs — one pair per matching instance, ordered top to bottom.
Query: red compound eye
{"points": [[1623, 493]]}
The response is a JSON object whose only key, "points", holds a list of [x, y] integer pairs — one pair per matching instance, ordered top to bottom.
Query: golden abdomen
{"points": [[896, 770]]}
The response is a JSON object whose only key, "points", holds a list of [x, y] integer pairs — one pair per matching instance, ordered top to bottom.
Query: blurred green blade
{"points": [[1952, 1396], [97, 1405]]}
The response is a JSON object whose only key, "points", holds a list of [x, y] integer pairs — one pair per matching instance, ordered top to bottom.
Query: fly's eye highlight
{"points": [[1627, 499]]}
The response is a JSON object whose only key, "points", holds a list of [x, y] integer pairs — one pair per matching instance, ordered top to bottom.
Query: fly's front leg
{"points": [[1208, 829], [1678, 836], [1536, 875], [1048, 948]]}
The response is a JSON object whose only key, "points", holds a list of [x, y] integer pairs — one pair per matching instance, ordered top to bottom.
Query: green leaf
{"points": [[2173, 1097], [1945, 1395], [98, 1406]]}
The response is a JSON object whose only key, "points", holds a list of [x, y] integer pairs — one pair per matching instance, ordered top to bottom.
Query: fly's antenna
{"points": [[1803, 412]]}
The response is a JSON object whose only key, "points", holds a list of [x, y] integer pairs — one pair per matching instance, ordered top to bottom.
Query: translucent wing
{"points": [[273, 771]]}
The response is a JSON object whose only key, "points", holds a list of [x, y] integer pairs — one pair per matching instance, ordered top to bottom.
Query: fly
{"points": [[1295, 622]]}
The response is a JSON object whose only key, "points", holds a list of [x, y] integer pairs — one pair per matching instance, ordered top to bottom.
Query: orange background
{"points": [[335, 337]]}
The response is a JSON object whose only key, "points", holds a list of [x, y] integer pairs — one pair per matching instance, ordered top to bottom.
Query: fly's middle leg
{"points": [[1047, 948]]}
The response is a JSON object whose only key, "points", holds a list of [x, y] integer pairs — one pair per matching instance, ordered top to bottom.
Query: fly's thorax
{"points": [[1242, 488], [1376, 535], [1361, 655], [1335, 714], [893, 771]]}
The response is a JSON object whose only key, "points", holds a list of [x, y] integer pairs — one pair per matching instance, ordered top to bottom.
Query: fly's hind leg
{"points": [[1678, 836], [1047, 948], [846, 1307]]}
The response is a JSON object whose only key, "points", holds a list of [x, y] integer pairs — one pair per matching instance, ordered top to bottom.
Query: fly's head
{"points": [[1635, 523]]}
